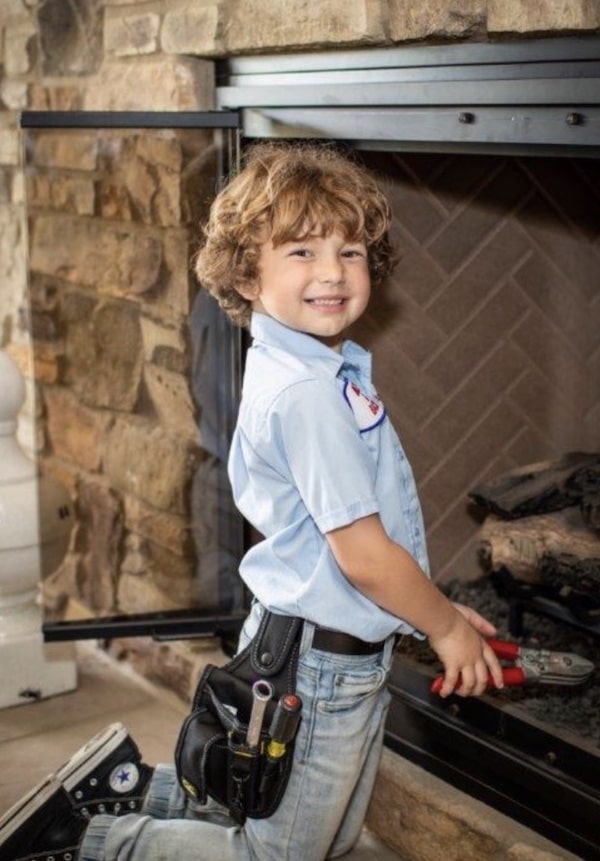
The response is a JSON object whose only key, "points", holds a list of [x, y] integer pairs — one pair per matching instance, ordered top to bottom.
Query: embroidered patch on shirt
{"points": [[368, 411]]}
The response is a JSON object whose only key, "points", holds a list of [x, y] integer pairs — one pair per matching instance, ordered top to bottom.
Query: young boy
{"points": [[293, 246]]}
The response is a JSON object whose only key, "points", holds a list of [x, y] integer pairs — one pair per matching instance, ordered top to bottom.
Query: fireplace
{"points": [[486, 342]]}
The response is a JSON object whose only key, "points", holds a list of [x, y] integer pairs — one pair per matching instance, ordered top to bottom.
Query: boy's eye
{"points": [[299, 252], [353, 252]]}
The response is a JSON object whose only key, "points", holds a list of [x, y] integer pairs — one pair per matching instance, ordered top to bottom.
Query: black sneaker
{"points": [[106, 775], [42, 826]]}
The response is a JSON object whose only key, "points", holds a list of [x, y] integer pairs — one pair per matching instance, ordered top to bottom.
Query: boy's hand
{"points": [[387, 574], [479, 622], [465, 653]]}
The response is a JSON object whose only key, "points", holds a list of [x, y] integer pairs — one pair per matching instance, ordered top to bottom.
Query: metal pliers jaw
{"points": [[534, 666], [541, 666]]}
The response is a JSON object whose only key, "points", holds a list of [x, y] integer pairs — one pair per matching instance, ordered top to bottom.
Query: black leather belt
{"points": [[343, 644]]}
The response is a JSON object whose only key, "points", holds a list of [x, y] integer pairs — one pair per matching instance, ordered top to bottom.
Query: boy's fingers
{"points": [[494, 666], [450, 681], [471, 681], [467, 683]]}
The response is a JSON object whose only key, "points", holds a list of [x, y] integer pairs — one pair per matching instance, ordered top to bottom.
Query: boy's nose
{"points": [[330, 271]]}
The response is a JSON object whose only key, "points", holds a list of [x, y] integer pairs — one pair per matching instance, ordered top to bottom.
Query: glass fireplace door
{"points": [[136, 374]]}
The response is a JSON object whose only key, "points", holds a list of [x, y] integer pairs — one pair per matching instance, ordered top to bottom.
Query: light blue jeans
{"points": [[338, 747]]}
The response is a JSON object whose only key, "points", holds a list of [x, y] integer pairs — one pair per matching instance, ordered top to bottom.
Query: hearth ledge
{"points": [[424, 818]]}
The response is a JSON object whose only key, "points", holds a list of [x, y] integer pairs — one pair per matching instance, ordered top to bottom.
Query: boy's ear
{"points": [[249, 291]]}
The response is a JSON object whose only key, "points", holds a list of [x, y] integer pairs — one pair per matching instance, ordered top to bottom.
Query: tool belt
{"points": [[237, 744]]}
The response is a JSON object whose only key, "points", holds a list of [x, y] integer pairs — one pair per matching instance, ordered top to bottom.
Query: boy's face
{"points": [[318, 285]]}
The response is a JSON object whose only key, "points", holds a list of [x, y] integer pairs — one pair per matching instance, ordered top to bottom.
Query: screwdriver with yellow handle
{"points": [[283, 725], [281, 732]]}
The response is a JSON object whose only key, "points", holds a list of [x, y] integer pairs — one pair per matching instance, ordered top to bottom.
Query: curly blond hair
{"points": [[284, 193]]}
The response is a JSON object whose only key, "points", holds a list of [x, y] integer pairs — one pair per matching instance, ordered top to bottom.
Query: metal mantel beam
{"points": [[526, 51], [518, 90], [544, 93], [467, 127]]}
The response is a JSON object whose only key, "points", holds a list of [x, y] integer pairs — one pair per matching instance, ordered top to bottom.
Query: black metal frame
{"points": [[130, 119], [180, 624], [161, 626], [525, 772]]}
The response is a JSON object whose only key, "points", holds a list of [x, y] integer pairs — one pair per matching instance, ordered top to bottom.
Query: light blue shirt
{"points": [[314, 450]]}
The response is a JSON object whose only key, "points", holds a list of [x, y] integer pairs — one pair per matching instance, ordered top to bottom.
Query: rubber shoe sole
{"points": [[91, 755], [20, 812]]}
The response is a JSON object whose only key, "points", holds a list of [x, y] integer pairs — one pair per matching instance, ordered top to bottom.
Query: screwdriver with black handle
{"points": [[283, 725], [281, 732]]}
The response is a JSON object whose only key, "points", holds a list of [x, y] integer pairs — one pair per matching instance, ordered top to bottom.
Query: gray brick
{"points": [[417, 212], [467, 230], [564, 245], [494, 259], [417, 274], [557, 299], [478, 337], [550, 354], [414, 391], [475, 398], [452, 479], [451, 535]]}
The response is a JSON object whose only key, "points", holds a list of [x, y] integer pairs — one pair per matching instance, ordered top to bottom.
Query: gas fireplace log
{"points": [[586, 480], [543, 487], [590, 509], [521, 545], [566, 575]]}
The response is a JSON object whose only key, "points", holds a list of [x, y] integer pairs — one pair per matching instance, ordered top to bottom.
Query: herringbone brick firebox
{"points": [[486, 342]]}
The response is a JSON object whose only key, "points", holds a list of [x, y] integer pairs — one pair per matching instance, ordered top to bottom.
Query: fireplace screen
{"points": [[137, 373]]}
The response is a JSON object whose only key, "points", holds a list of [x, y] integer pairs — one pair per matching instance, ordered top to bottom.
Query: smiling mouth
{"points": [[327, 303]]}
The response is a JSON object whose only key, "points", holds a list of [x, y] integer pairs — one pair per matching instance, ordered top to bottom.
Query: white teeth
{"points": [[326, 301]]}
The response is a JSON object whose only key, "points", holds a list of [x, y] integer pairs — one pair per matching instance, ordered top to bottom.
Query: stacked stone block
{"points": [[111, 228]]}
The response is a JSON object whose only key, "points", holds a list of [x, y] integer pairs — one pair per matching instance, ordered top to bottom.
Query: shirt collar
{"points": [[269, 331]]}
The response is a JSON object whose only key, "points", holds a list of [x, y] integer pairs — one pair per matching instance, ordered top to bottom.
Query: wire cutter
{"points": [[530, 665]]}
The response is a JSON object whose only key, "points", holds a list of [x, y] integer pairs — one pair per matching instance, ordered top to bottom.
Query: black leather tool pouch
{"points": [[213, 757]]}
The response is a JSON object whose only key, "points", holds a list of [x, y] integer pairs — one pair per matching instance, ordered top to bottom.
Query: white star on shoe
{"points": [[124, 777]]}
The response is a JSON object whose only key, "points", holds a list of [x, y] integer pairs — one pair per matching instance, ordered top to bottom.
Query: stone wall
{"points": [[150, 54], [113, 220], [111, 225]]}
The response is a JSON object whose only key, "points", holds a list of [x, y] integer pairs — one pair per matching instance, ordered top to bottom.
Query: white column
{"points": [[29, 669]]}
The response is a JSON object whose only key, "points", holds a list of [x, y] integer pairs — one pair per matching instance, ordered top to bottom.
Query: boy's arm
{"points": [[388, 575]]}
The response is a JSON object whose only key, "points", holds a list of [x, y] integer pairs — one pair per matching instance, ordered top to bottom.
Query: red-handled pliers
{"points": [[541, 666]]}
